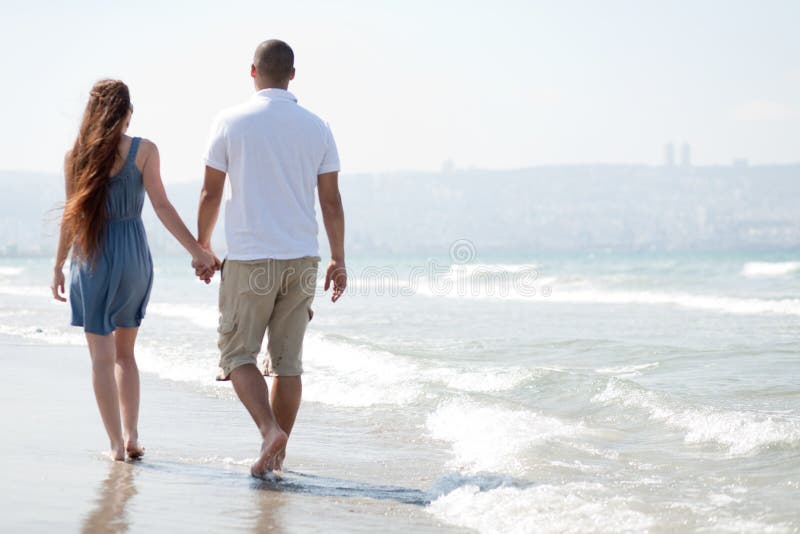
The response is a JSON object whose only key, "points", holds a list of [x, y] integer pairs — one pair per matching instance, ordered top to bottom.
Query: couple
{"points": [[275, 154]]}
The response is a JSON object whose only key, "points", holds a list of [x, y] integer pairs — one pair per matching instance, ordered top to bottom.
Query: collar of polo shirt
{"points": [[275, 93]]}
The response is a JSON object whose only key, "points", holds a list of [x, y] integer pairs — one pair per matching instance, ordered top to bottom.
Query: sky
{"points": [[410, 85]]}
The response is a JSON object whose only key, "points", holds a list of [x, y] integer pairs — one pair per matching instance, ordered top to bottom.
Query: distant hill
{"points": [[617, 207]]}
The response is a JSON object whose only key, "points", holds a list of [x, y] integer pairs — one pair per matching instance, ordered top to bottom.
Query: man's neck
{"points": [[284, 87]]}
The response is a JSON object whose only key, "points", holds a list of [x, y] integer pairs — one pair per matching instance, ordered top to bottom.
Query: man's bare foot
{"points": [[274, 442], [134, 450], [279, 459]]}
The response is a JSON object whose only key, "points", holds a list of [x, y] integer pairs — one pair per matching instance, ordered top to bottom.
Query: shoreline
{"points": [[195, 474]]}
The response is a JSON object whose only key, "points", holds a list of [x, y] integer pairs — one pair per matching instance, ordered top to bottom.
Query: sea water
{"points": [[583, 392]]}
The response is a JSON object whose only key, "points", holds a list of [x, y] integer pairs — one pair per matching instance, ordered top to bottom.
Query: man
{"points": [[275, 154]]}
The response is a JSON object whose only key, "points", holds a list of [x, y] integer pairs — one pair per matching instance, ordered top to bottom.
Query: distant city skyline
{"points": [[516, 85]]}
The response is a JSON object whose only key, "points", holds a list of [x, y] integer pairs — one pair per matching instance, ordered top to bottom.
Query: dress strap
{"points": [[133, 150]]}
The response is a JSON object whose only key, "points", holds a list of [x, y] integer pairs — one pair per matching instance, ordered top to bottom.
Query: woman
{"points": [[107, 174]]}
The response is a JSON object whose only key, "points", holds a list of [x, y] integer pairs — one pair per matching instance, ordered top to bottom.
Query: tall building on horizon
{"points": [[669, 155], [686, 155]]}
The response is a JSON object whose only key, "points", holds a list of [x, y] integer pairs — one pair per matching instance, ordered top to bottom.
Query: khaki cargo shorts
{"points": [[265, 296]]}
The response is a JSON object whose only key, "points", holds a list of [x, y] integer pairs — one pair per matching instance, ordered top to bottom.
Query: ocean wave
{"points": [[482, 269], [769, 269], [11, 271], [556, 290], [26, 291], [738, 306], [200, 314], [50, 336], [182, 363], [626, 370], [344, 374], [485, 380], [740, 432], [491, 438], [571, 507]]}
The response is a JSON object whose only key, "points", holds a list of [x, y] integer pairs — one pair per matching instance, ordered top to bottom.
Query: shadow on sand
{"points": [[305, 483], [324, 486]]}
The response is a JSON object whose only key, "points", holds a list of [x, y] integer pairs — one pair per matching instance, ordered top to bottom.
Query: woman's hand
{"points": [[58, 284]]}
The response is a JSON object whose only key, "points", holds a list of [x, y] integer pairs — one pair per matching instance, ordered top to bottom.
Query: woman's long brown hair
{"points": [[93, 157]]}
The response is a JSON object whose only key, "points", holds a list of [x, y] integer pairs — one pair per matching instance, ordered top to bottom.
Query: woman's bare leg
{"points": [[103, 353], [127, 374]]}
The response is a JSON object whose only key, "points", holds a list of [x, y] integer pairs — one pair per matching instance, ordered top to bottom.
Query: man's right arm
{"points": [[210, 200], [330, 202]]}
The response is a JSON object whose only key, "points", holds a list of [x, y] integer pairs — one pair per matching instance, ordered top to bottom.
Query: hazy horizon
{"points": [[516, 86]]}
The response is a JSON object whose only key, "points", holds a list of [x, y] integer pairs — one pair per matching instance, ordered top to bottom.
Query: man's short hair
{"points": [[274, 60]]}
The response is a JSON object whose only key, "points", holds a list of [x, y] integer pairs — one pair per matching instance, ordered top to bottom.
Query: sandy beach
{"points": [[194, 476]]}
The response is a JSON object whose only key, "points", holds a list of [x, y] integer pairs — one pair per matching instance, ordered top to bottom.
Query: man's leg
{"points": [[247, 294], [287, 327], [250, 386], [287, 391]]}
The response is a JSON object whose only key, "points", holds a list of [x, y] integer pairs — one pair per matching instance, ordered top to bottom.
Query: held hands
{"points": [[205, 262], [337, 274], [58, 284]]}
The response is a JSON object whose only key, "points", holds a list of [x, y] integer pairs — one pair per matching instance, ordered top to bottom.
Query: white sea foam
{"points": [[480, 269], [768, 269], [11, 271], [478, 282], [550, 289], [26, 291], [739, 306], [199, 314], [50, 336], [181, 363], [626, 370], [342, 374], [345, 374], [484, 380], [741, 432], [490, 438], [224, 460], [571, 507], [735, 524]]}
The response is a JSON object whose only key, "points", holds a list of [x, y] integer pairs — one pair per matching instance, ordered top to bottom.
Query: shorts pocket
{"points": [[226, 326]]}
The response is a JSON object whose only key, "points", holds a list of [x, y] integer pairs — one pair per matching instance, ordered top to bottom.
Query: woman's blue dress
{"points": [[113, 290]]}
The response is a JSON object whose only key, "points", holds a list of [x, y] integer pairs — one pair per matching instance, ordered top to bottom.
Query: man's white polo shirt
{"points": [[272, 150]]}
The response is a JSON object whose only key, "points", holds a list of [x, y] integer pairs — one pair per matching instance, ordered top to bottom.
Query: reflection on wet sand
{"points": [[113, 494], [268, 511]]}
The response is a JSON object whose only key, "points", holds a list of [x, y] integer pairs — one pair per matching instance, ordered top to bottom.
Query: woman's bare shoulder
{"points": [[147, 144], [147, 149]]}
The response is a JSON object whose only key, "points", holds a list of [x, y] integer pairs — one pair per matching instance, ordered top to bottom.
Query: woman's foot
{"points": [[134, 450], [116, 453]]}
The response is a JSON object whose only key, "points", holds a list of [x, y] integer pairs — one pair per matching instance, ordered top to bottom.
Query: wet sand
{"points": [[195, 474]]}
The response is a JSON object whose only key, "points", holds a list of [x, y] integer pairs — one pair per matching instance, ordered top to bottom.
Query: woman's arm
{"points": [[167, 214], [64, 237]]}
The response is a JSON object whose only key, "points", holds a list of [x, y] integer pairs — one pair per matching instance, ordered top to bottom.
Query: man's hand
{"points": [[205, 263], [337, 273]]}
